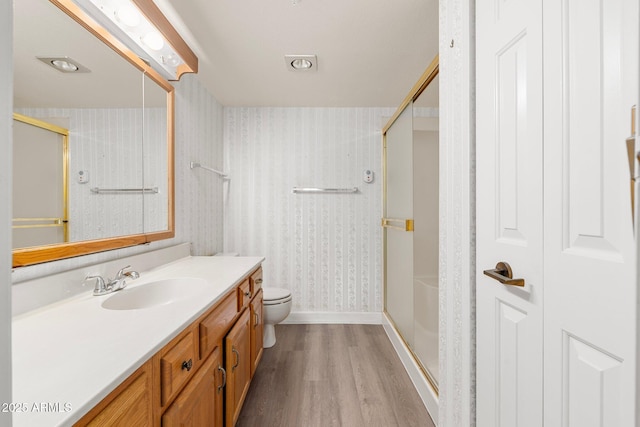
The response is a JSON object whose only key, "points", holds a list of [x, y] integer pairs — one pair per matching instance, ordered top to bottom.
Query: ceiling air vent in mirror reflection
{"points": [[65, 64]]}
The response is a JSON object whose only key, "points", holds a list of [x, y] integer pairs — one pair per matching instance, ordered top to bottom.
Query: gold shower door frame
{"points": [[63, 222], [399, 225]]}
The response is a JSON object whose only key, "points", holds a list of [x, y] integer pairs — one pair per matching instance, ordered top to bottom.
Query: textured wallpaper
{"points": [[109, 145], [198, 193], [457, 214], [325, 248]]}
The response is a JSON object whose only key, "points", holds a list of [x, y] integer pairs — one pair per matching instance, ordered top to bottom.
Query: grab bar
{"points": [[194, 165], [97, 190], [324, 190], [40, 222]]}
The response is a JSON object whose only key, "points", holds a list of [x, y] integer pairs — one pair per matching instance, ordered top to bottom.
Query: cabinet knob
{"points": [[247, 294], [187, 364]]}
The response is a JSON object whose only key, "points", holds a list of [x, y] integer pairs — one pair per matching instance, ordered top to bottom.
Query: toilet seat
{"points": [[275, 296]]}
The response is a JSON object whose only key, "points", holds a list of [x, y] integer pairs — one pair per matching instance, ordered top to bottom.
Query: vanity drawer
{"points": [[256, 281], [244, 295], [216, 324], [177, 365]]}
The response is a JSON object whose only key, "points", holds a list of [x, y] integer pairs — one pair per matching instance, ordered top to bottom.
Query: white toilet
{"points": [[277, 306]]}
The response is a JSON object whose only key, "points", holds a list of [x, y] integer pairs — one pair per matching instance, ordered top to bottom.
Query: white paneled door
{"points": [[556, 80], [509, 212], [590, 302]]}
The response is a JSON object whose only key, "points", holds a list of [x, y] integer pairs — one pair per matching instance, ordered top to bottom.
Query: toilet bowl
{"points": [[276, 306]]}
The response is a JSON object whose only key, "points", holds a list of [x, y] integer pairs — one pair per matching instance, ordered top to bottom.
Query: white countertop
{"points": [[69, 355]]}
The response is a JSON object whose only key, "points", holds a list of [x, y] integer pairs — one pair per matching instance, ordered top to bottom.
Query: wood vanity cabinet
{"points": [[255, 281], [244, 295], [216, 324], [257, 330], [177, 363], [238, 364], [201, 377], [200, 403], [130, 404]]}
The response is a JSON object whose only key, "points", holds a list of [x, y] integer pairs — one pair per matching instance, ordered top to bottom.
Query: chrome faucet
{"points": [[107, 286]]}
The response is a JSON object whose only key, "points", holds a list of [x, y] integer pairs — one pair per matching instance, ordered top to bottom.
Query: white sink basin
{"points": [[155, 294]]}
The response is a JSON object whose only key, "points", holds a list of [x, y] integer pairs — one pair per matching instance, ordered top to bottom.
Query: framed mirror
{"points": [[93, 139]]}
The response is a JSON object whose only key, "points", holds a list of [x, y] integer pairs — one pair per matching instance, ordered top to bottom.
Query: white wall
{"points": [[6, 104], [198, 194], [325, 248]]}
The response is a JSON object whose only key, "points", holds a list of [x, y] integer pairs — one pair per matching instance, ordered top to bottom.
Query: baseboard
{"points": [[309, 317], [427, 393]]}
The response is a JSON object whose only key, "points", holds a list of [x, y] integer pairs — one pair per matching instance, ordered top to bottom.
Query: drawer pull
{"points": [[259, 281], [257, 319], [187, 365], [233, 368], [224, 379]]}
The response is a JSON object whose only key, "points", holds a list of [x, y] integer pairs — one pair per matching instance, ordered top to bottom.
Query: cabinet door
{"points": [[257, 329], [238, 364], [200, 403], [128, 405]]}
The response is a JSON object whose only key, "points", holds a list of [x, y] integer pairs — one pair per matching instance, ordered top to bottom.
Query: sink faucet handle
{"points": [[121, 272], [101, 286]]}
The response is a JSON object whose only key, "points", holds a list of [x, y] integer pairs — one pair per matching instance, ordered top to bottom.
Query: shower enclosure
{"points": [[411, 223]]}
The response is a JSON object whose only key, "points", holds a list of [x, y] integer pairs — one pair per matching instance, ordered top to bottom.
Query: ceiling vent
{"points": [[301, 62]]}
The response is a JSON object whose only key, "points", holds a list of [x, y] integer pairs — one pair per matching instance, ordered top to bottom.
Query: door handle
{"points": [[631, 154], [403, 224], [503, 274], [233, 368], [224, 378]]}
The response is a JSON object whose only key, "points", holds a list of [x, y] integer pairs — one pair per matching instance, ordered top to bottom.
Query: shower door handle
{"points": [[403, 224], [503, 274]]}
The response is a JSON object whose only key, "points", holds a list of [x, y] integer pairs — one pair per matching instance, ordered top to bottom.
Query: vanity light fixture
{"points": [[142, 27], [301, 62], [65, 64]]}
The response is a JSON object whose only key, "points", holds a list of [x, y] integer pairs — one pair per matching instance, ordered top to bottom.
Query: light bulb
{"points": [[128, 15], [153, 40], [301, 64], [64, 65]]}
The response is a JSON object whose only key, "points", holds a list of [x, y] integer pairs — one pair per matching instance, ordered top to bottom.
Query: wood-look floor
{"points": [[332, 375]]}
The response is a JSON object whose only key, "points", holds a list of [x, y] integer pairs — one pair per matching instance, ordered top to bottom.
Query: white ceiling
{"points": [[40, 29], [370, 52]]}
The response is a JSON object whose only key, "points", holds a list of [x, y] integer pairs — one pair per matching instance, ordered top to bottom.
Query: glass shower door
{"points": [[426, 159], [398, 214], [411, 227]]}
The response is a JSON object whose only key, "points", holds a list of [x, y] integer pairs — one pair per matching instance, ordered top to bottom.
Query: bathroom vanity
{"points": [[150, 362]]}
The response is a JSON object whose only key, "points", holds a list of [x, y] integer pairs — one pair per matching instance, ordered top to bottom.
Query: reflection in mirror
{"points": [[101, 108], [119, 122], [155, 160], [40, 170], [426, 231]]}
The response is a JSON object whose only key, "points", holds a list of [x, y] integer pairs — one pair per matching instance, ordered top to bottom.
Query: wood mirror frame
{"points": [[40, 254]]}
